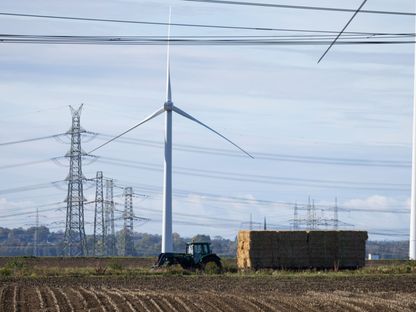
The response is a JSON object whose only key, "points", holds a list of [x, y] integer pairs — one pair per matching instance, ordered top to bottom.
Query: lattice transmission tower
{"points": [[109, 218], [99, 221], [75, 240], [127, 247]]}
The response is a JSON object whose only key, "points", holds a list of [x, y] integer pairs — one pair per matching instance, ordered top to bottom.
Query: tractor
{"points": [[197, 256]]}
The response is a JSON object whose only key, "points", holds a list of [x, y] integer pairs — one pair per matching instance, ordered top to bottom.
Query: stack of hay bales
{"points": [[301, 249], [323, 249], [292, 251], [351, 252]]}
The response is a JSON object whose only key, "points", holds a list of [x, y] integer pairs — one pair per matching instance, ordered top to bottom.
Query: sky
{"points": [[339, 129]]}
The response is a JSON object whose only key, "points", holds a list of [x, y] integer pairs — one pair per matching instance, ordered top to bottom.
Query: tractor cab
{"points": [[198, 250]]}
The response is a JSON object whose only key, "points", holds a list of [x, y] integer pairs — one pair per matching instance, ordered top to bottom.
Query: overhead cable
{"points": [[302, 7], [156, 23]]}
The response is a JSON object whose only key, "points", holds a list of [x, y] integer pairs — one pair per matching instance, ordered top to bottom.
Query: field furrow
{"points": [[206, 294], [64, 298], [77, 299], [106, 300], [119, 300], [15, 302], [138, 302], [93, 303], [187, 303], [203, 303], [283, 303], [7, 304], [56, 304], [221, 304], [262, 304], [253, 305]]}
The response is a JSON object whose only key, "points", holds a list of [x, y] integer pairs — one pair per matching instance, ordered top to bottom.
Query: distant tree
{"points": [[201, 238]]}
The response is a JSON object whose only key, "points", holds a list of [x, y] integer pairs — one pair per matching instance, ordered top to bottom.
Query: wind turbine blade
{"points": [[342, 31], [168, 84], [155, 114], [186, 115]]}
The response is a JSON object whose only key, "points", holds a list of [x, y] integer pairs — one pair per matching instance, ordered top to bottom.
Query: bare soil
{"points": [[171, 291], [209, 293]]}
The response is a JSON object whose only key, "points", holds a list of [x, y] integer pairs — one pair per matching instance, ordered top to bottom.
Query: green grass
{"points": [[22, 267]]}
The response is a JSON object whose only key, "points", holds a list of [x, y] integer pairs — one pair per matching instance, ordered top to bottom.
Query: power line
{"points": [[301, 7], [125, 21], [342, 31], [195, 42], [31, 140], [269, 156], [29, 163], [229, 176], [29, 187], [204, 196], [19, 214]]}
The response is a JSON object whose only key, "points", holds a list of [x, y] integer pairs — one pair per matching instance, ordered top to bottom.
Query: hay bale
{"points": [[293, 249], [300, 249], [323, 249], [243, 250], [351, 252]]}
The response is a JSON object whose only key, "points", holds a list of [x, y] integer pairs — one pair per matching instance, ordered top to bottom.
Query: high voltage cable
{"points": [[302, 7], [124, 21], [342, 31], [205, 37], [218, 42], [32, 140], [226, 152], [268, 156], [24, 164], [254, 178], [29, 187], [234, 199], [19, 214]]}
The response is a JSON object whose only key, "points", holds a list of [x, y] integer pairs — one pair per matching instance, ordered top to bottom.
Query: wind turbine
{"points": [[168, 108], [412, 238]]}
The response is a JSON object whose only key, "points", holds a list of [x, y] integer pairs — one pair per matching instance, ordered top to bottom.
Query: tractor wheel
{"points": [[212, 267]]}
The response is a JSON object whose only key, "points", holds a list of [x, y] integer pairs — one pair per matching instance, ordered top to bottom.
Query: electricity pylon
{"points": [[109, 218], [99, 221], [36, 235], [75, 240], [127, 247]]}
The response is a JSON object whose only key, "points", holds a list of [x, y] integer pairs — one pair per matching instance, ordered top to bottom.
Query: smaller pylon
{"points": [[295, 217], [109, 218], [336, 220], [99, 221], [36, 235], [127, 247]]}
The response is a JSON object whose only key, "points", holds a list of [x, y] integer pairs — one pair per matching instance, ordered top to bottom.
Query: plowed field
{"points": [[209, 293]]}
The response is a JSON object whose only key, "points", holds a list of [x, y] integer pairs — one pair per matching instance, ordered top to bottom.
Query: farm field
{"points": [[27, 290]]}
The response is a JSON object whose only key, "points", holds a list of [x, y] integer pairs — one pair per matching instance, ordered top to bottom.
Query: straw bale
{"points": [[293, 249], [300, 249], [323, 249], [351, 251]]}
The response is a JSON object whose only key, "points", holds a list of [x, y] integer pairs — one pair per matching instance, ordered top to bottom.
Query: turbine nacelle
{"points": [[168, 106]]}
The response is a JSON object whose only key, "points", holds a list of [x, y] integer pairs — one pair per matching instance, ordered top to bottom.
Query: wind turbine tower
{"points": [[412, 238]]}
